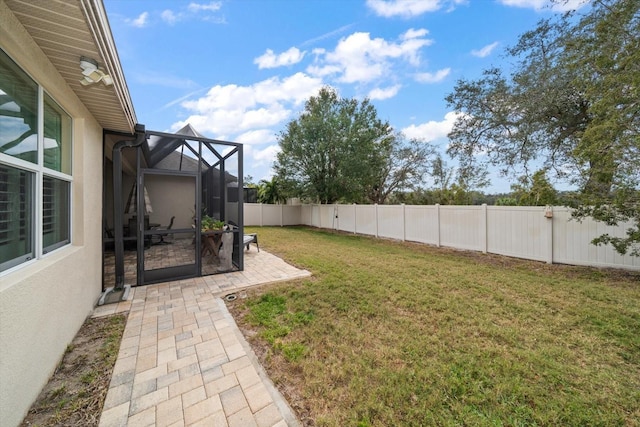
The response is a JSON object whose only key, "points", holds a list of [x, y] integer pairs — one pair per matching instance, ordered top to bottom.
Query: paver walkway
{"points": [[184, 362]]}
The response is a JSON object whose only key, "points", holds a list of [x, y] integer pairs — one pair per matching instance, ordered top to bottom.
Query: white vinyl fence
{"points": [[535, 233]]}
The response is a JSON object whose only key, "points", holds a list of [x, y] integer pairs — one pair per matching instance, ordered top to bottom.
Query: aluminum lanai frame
{"points": [[153, 147]]}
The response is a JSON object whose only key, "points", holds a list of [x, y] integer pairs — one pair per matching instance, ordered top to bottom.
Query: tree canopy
{"points": [[571, 106], [339, 150], [271, 191], [534, 191]]}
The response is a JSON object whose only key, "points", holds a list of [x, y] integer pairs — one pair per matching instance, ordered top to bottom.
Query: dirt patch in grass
{"points": [[75, 394]]}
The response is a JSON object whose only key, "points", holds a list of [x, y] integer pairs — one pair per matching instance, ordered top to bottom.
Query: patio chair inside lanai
{"points": [[184, 176]]}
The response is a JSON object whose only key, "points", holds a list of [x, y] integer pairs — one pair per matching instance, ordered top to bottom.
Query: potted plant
{"points": [[208, 223]]}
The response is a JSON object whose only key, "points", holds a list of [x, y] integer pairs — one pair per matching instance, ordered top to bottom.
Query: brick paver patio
{"points": [[184, 362]]}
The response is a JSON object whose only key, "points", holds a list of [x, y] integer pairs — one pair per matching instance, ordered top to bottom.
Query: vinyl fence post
{"points": [[376, 208], [548, 213], [261, 215], [281, 215], [355, 219], [404, 222], [438, 224], [484, 228]]}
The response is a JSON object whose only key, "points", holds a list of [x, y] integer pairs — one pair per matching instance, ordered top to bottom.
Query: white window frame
{"points": [[40, 171]]}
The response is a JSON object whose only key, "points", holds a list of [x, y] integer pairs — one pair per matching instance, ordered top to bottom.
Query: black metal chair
{"points": [[162, 236]]}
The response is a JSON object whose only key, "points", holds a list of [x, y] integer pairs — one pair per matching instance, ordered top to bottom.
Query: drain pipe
{"points": [[119, 292]]}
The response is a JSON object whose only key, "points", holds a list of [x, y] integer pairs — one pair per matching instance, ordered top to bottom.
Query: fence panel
{"points": [[252, 214], [257, 214], [291, 214], [309, 214], [271, 215], [315, 216], [326, 216], [346, 220], [366, 220], [390, 221], [422, 224], [462, 227], [517, 231], [572, 242]]}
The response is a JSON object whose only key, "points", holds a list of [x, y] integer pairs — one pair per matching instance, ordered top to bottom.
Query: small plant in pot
{"points": [[209, 224]]}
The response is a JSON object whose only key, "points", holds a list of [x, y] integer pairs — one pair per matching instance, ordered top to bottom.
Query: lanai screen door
{"points": [[170, 254]]}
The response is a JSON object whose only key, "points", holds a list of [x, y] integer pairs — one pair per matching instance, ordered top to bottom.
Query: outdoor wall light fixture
{"points": [[92, 74]]}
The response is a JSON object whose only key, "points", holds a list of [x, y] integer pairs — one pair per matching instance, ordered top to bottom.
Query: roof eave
{"points": [[99, 25]]}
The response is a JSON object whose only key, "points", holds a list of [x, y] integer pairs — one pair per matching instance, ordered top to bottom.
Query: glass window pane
{"points": [[18, 112], [57, 137], [55, 213], [16, 216]]}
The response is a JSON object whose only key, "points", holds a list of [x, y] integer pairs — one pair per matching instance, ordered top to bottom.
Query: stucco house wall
{"points": [[43, 303]]}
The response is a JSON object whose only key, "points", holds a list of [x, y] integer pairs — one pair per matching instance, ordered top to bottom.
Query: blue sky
{"points": [[240, 70]]}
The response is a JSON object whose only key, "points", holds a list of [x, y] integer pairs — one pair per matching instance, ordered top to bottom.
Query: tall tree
{"points": [[606, 56], [570, 106], [339, 150], [405, 163], [441, 173], [456, 185], [535, 190]]}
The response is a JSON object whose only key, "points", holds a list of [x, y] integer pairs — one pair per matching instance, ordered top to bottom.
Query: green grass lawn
{"points": [[388, 333]]}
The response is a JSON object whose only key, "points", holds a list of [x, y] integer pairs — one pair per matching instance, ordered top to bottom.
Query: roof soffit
{"points": [[65, 31]]}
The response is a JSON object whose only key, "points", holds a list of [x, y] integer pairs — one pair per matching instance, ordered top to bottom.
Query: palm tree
{"points": [[271, 192]]}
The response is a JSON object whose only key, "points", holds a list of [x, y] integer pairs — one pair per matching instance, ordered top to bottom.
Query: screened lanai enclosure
{"points": [[172, 209]]}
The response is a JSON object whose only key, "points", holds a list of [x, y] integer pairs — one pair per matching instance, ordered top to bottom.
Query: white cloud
{"points": [[561, 6], [211, 7], [403, 8], [202, 11], [169, 17], [141, 21], [412, 34], [413, 42], [485, 51], [360, 59], [270, 60], [323, 70], [436, 77], [296, 88], [385, 93], [231, 111], [265, 116], [226, 124], [432, 130], [256, 137], [265, 156]]}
